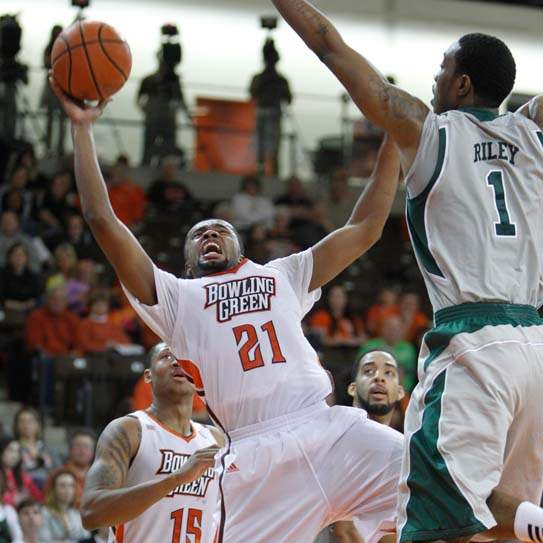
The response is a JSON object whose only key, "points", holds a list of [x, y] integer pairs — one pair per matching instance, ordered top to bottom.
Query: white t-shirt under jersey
{"points": [[242, 331], [189, 512]]}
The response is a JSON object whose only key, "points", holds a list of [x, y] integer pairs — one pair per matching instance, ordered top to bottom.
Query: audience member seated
{"points": [[17, 184], [167, 192], [127, 198], [295, 198], [340, 200], [53, 205], [250, 207], [306, 231], [11, 233], [80, 238], [279, 242], [256, 248], [66, 273], [20, 287], [386, 305], [414, 320], [335, 323], [51, 329], [97, 333], [391, 339], [81, 450], [37, 460], [19, 485], [30, 520], [61, 520], [10, 529]]}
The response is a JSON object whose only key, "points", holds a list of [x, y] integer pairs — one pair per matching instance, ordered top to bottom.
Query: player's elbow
{"points": [[90, 514]]}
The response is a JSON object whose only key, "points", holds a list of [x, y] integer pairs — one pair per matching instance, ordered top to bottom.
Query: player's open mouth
{"points": [[211, 250], [179, 375]]}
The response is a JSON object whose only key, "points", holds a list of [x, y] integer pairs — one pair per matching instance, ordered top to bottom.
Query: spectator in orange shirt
{"points": [[127, 198], [386, 306], [414, 320], [335, 323], [51, 329], [97, 333]]}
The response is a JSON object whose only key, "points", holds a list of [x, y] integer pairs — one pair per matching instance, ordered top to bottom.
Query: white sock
{"points": [[529, 522]]}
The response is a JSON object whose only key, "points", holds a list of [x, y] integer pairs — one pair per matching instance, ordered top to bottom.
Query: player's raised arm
{"points": [[384, 104], [534, 110], [364, 228], [133, 266], [105, 501]]}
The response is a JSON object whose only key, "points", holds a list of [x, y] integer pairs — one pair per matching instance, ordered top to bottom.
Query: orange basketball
{"points": [[90, 60]]}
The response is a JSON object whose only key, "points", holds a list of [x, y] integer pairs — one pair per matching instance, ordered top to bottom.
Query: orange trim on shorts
{"points": [[176, 434]]}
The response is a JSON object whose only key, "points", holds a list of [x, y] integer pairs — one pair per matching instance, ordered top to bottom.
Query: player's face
{"points": [[446, 82], [211, 246], [166, 375], [377, 387]]}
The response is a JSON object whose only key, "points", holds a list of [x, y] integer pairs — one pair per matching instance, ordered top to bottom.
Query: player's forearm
{"points": [[318, 33], [90, 183], [373, 207], [110, 507]]}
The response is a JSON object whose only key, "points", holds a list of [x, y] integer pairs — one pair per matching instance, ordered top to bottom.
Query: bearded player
{"points": [[474, 183], [240, 322], [376, 388], [153, 476]]}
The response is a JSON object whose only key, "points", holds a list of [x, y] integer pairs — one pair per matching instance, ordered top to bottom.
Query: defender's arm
{"points": [[384, 104], [364, 228]]}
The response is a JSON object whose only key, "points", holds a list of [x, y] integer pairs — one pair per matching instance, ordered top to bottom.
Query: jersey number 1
{"points": [[504, 228], [248, 342], [194, 525]]}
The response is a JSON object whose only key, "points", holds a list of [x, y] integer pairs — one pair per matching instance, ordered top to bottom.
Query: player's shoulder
{"points": [[125, 430]]}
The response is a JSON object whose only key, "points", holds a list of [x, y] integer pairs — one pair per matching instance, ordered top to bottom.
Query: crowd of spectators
{"points": [[40, 492]]}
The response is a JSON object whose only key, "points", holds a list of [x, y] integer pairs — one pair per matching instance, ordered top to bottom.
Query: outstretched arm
{"points": [[384, 104], [534, 110], [364, 228], [132, 264], [105, 502]]}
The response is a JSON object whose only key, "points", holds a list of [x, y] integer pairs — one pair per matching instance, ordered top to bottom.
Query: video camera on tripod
{"points": [[11, 71]]}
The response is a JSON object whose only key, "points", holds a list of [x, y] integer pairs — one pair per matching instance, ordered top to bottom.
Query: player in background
{"points": [[475, 213], [240, 322], [376, 388], [153, 477]]}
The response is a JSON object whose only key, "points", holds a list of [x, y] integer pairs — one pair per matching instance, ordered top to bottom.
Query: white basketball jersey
{"points": [[475, 208], [242, 330], [186, 515]]}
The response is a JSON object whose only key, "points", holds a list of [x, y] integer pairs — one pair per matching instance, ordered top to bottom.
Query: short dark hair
{"points": [[490, 65], [356, 366], [87, 432], [27, 502]]}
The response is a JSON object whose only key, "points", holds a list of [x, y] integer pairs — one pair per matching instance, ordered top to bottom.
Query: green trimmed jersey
{"points": [[475, 208]]}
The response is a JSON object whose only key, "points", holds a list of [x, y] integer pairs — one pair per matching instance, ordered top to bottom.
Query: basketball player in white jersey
{"points": [[475, 213], [376, 388], [292, 464], [153, 478]]}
